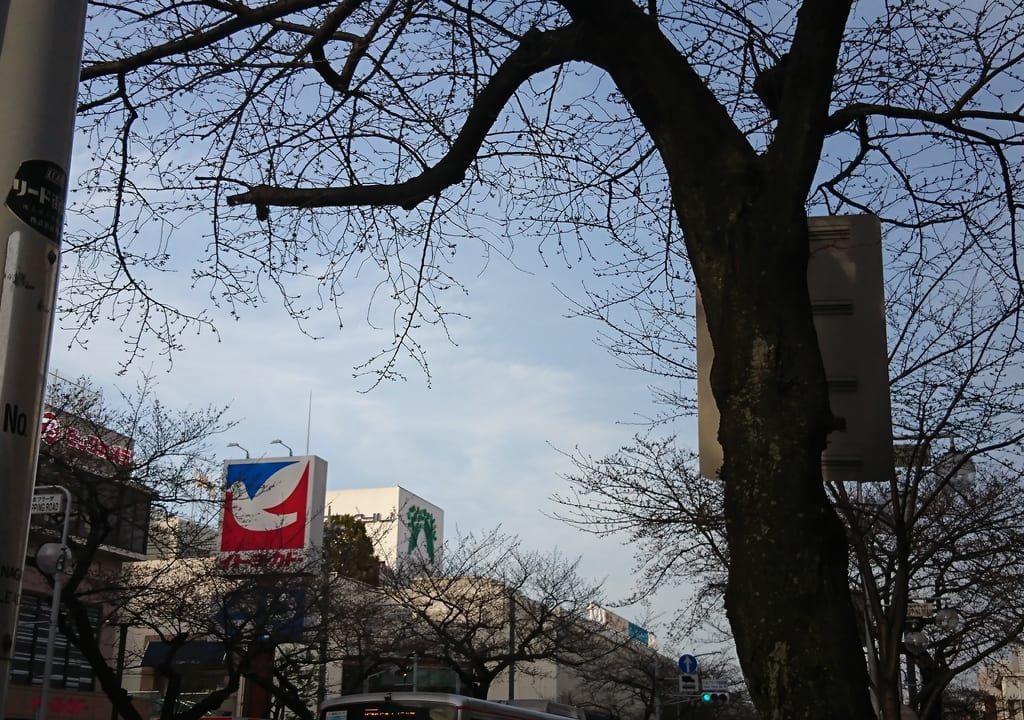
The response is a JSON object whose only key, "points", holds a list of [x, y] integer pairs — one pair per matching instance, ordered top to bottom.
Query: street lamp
{"points": [[281, 442], [240, 448], [51, 559], [920, 617], [947, 619]]}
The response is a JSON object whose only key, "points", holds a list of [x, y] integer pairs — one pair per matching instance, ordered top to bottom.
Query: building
{"points": [[91, 463], [401, 524], [405, 528], [180, 537], [1003, 682]]}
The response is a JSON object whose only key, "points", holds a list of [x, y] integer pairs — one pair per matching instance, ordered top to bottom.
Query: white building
{"points": [[401, 524], [1004, 681]]}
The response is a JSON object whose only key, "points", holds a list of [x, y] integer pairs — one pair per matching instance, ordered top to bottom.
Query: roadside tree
{"points": [[667, 142], [116, 493], [947, 534], [348, 550], [180, 600], [498, 610], [640, 683]]}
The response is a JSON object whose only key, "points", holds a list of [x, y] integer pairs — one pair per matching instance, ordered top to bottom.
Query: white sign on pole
{"points": [[49, 503], [920, 609], [689, 684], [714, 684]]}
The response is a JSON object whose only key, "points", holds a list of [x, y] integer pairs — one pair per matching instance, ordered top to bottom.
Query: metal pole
{"points": [[40, 60], [58, 584], [869, 636], [122, 641], [511, 645], [911, 679], [657, 694]]}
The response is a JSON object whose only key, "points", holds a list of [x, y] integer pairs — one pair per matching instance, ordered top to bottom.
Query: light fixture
{"points": [[281, 442], [240, 448], [947, 619], [915, 641]]}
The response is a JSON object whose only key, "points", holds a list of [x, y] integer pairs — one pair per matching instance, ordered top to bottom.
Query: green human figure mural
{"points": [[421, 520]]}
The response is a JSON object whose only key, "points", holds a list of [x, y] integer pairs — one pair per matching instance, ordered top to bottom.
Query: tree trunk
{"points": [[745, 228], [788, 597]]}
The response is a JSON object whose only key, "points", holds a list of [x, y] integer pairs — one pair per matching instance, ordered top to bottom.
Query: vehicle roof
{"points": [[451, 698]]}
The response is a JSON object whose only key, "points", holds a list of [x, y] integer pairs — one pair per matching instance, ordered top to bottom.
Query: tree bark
{"points": [[745, 229]]}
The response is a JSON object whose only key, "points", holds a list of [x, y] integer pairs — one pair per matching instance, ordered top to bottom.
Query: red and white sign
{"points": [[61, 428], [273, 514]]}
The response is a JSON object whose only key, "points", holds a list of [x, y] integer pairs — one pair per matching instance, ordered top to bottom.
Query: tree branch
{"points": [[244, 19], [537, 51], [807, 90]]}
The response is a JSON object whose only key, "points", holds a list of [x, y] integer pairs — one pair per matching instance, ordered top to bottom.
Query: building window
{"points": [[123, 506], [70, 669]]}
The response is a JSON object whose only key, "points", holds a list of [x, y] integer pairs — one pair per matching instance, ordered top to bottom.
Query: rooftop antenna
{"points": [[309, 419]]}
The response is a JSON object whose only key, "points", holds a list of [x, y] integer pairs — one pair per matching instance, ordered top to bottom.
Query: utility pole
{"points": [[40, 62]]}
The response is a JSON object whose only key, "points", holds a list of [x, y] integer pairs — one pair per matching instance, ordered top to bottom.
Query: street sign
{"points": [[49, 503], [920, 609], [688, 663], [714, 684], [689, 685]]}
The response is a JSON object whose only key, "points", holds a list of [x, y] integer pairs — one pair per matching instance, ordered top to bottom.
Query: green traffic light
{"points": [[706, 697]]}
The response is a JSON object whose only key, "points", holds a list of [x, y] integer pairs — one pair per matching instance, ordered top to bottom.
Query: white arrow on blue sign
{"points": [[688, 663]]}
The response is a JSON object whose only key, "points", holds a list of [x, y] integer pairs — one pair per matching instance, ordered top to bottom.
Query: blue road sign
{"points": [[688, 663]]}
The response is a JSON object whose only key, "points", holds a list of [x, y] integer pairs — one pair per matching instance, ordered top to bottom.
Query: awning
{"points": [[194, 654]]}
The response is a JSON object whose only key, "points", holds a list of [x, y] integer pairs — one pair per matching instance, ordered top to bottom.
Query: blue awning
{"points": [[194, 654]]}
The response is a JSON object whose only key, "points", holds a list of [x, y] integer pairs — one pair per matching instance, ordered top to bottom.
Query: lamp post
{"points": [[39, 71], [281, 442], [233, 444], [51, 559], [926, 621], [122, 641]]}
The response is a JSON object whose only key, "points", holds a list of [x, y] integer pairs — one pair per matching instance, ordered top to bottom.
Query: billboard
{"points": [[845, 282], [273, 514], [403, 526]]}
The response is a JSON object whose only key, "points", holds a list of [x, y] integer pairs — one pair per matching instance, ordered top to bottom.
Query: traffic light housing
{"points": [[714, 697]]}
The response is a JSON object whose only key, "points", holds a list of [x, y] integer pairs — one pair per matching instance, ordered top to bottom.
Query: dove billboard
{"points": [[273, 514]]}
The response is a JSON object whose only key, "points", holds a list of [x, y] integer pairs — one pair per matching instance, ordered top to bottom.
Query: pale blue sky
{"points": [[480, 442]]}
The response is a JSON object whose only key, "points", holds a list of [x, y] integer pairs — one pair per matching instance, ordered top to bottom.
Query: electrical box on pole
{"points": [[40, 63]]}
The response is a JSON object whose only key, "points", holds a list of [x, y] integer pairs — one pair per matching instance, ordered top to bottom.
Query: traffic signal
{"points": [[714, 697]]}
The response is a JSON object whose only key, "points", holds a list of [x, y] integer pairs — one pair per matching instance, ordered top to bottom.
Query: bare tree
{"points": [[687, 139], [163, 479], [117, 489], [651, 495], [948, 533], [948, 538], [497, 610], [632, 683]]}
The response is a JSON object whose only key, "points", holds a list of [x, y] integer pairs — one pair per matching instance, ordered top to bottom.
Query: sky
{"points": [[484, 441]]}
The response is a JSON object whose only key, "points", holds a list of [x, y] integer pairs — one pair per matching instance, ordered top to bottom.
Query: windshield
{"points": [[390, 711]]}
